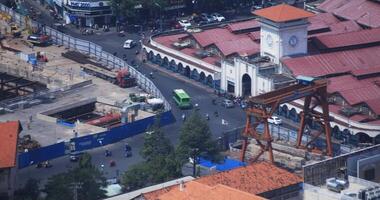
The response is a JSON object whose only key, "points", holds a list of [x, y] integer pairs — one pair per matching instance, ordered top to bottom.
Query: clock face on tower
{"points": [[269, 40], [293, 40]]}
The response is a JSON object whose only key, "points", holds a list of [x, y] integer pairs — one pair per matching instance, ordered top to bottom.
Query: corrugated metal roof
{"points": [[331, 5], [356, 10], [365, 12], [283, 13], [321, 21], [245, 25], [338, 28], [254, 35], [212, 36], [350, 39], [168, 40], [241, 46], [334, 63], [362, 72], [374, 104]]}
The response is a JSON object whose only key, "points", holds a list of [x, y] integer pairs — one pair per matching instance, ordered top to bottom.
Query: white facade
{"points": [[283, 39], [233, 74]]}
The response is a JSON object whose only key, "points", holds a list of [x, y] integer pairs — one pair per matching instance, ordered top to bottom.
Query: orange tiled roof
{"points": [[283, 13], [8, 143], [256, 178], [197, 191], [155, 194]]}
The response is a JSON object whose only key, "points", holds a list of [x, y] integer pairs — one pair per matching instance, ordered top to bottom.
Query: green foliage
{"points": [[196, 134], [155, 144], [160, 163], [136, 177], [85, 181], [29, 192]]}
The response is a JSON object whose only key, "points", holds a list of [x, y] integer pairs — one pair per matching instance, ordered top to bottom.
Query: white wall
{"points": [[280, 35], [234, 73]]}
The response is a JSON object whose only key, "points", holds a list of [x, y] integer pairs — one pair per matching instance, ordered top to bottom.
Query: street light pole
{"points": [[159, 6], [194, 153]]}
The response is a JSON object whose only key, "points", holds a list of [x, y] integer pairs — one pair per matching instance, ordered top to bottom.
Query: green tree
{"points": [[196, 139], [155, 143], [160, 161], [136, 177], [84, 182], [30, 191]]}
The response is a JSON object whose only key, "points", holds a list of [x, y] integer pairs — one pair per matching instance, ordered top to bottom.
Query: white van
{"points": [[129, 44]]}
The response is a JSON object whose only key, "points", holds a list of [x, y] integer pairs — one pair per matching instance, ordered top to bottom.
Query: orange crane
{"points": [[263, 106]]}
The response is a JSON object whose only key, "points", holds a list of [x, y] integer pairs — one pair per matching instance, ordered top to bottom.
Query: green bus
{"points": [[181, 98]]}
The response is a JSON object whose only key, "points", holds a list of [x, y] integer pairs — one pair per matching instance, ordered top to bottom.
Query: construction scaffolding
{"points": [[262, 107]]}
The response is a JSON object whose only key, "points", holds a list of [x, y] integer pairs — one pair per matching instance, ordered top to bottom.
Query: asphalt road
{"points": [[166, 83]]}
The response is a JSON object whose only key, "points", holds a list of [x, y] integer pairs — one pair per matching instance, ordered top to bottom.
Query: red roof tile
{"points": [[331, 5], [365, 12], [283, 13], [321, 21], [245, 25], [344, 27], [338, 28], [254, 35], [212, 36], [350, 39], [168, 40], [243, 46], [333, 63], [363, 72], [354, 91], [374, 104], [358, 117], [8, 143], [256, 178], [197, 191]]}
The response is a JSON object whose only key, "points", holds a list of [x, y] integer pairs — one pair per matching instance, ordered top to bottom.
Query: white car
{"points": [[218, 17], [184, 23], [129, 44], [275, 120]]}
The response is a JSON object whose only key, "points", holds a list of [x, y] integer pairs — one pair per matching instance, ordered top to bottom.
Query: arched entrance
{"points": [[150, 56], [158, 59], [165, 63], [173, 66], [180, 68], [187, 72], [195, 74], [202, 77], [209, 81], [246, 85], [364, 138]]}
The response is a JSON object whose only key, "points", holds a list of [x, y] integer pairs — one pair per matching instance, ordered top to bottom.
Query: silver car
{"points": [[228, 103]]}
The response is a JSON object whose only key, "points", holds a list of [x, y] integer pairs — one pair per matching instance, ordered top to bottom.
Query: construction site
{"points": [[59, 94]]}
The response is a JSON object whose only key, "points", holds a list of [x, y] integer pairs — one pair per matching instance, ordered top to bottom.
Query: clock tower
{"points": [[283, 31]]}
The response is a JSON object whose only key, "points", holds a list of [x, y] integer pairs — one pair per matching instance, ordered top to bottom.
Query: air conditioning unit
{"points": [[182, 45]]}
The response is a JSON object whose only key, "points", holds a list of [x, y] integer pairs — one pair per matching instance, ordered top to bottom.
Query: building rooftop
{"points": [[364, 12], [283, 13], [356, 38], [8, 143], [256, 178], [197, 191]]}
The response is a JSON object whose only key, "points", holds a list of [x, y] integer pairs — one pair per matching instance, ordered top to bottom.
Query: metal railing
{"points": [[91, 49]]}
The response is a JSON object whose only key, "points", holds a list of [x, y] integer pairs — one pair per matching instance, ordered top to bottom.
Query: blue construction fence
{"points": [[92, 141], [41, 154]]}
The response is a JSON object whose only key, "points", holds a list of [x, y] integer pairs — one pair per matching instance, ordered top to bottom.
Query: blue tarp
{"points": [[227, 164]]}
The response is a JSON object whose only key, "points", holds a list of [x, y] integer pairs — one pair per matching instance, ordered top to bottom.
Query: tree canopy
{"points": [[195, 134], [160, 163], [84, 181]]}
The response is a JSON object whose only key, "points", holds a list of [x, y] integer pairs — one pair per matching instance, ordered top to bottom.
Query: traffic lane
{"points": [[234, 117], [63, 164]]}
